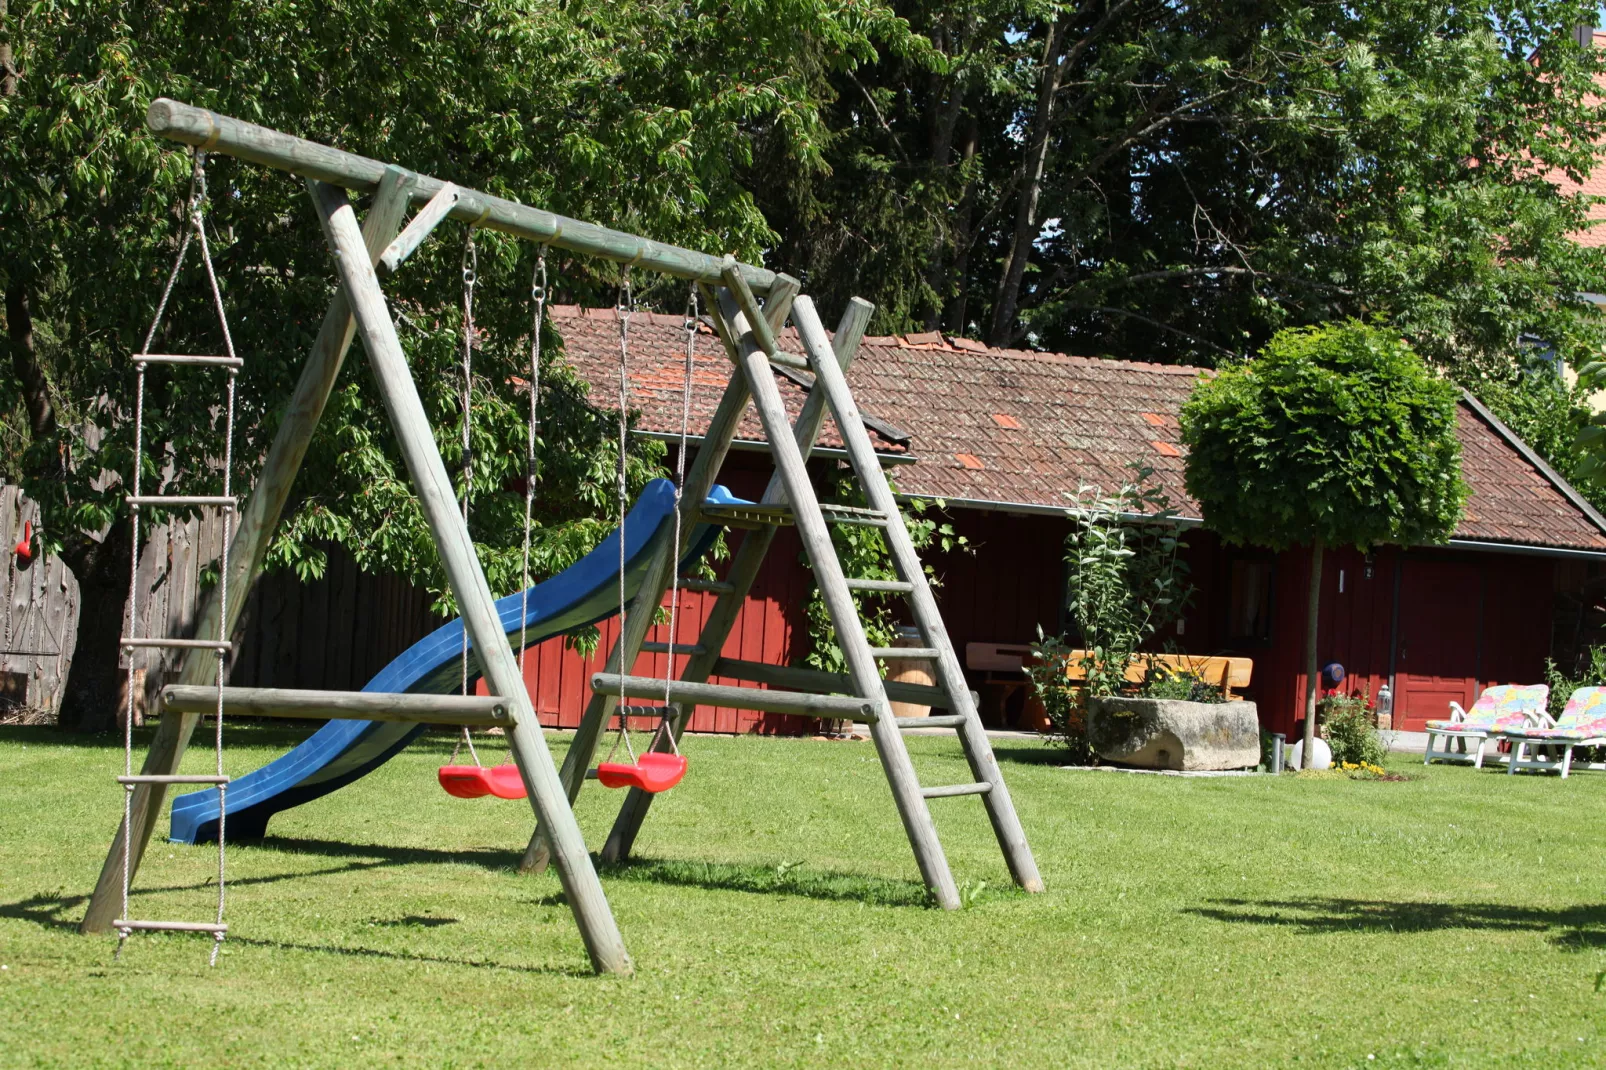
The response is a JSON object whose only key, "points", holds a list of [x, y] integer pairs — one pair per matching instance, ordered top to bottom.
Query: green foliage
{"points": [[643, 115], [1215, 170], [1339, 434], [863, 553], [1126, 576], [1589, 672], [1166, 681], [1064, 705], [1347, 726]]}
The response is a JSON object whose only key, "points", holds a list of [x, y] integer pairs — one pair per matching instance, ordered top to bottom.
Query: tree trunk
{"points": [[8, 67], [959, 288], [1007, 304], [25, 361], [1313, 680], [89, 701]]}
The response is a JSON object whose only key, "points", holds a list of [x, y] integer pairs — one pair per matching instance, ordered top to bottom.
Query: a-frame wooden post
{"points": [[416, 440], [258, 518]]}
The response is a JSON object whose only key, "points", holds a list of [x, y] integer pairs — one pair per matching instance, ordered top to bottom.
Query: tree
{"points": [[643, 115], [1177, 181], [1331, 436]]}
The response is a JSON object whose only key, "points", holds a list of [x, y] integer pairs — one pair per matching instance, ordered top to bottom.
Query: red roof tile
{"points": [[1083, 420]]}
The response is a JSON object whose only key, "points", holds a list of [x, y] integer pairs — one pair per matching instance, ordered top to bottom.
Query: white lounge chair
{"points": [[1504, 706], [1582, 724]]}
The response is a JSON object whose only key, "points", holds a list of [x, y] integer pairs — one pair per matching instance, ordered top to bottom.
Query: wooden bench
{"points": [[1224, 672]]}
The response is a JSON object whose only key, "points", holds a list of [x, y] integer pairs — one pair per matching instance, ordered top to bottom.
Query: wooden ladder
{"points": [[861, 694]]}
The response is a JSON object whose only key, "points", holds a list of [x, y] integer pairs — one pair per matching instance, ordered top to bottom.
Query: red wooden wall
{"points": [[1465, 620]]}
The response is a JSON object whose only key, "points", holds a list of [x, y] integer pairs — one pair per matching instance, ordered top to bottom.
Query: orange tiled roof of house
{"points": [[1009, 427]]}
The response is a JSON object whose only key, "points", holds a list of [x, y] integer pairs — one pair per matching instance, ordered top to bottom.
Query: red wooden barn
{"points": [[1004, 437]]}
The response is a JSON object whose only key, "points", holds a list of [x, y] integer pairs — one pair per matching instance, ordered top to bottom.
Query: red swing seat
{"points": [[653, 772], [475, 782]]}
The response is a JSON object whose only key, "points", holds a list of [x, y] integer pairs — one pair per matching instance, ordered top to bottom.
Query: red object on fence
{"points": [[25, 547]]}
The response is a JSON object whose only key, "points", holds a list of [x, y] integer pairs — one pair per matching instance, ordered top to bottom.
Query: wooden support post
{"points": [[416, 440], [255, 525], [743, 572], [838, 599], [642, 611], [486, 710], [978, 751]]}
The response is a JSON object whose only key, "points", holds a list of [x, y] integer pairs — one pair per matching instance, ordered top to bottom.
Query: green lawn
{"points": [[776, 918]]}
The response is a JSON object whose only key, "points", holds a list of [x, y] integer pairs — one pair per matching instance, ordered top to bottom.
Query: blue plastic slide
{"points": [[342, 751]]}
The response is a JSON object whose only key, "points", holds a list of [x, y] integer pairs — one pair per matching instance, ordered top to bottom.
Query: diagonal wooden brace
{"points": [[416, 440]]}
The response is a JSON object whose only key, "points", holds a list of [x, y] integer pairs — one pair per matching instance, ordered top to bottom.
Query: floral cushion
{"points": [[1502, 708], [1584, 718]]}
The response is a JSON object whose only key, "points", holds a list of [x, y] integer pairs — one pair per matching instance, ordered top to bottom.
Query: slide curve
{"points": [[343, 751]]}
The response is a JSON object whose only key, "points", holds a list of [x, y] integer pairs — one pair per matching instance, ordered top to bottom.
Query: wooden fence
{"points": [[39, 617]]}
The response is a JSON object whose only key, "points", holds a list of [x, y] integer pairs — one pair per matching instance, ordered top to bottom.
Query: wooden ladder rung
{"points": [[185, 358], [166, 500], [697, 583], [894, 586], [180, 644], [680, 648], [927, 653], [941, 720], [171, 778], [981, 787], [172, 926]]}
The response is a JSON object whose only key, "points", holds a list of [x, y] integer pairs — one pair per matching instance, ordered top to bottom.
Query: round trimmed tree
{"points": [[1337, 435]]}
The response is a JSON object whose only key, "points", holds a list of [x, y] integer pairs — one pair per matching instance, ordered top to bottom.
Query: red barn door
{"points": [[1438, 655]]}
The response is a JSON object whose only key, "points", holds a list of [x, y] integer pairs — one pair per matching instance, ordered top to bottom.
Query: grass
{"points": [[776, 918]]}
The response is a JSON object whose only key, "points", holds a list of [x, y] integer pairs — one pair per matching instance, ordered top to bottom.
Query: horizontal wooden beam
{"points": [[211, 132], [815, 680], [338, 705], [831, 707]]}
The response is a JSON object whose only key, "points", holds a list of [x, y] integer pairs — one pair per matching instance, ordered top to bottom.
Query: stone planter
{"points": [[1155, 733]]}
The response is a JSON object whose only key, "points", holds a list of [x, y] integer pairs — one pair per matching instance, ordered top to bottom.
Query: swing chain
{"points": [[470, 277], [624, 306], [537, 317], [680, 489]]}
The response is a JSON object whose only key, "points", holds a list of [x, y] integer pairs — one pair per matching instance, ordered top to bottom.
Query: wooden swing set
{"points": [[730, 294]]}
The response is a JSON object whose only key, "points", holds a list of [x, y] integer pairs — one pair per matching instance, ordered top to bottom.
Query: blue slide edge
{"points": [[343, 751]]}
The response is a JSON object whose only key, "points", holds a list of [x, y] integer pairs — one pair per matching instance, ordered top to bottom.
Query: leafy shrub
{"points": [[1126, 576], [1591, 672], [1167, 681], [1064, 705], [1349, 730]]}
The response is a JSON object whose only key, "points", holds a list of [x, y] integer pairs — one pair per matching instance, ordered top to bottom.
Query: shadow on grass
{"points": [[270, 734], [1030, 753], [386, 855], [793, 879], [62, 914], [1570, 928]]}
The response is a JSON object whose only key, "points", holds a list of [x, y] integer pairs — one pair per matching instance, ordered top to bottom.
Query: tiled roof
{"points": [[657, 347], [1025, 429]]}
